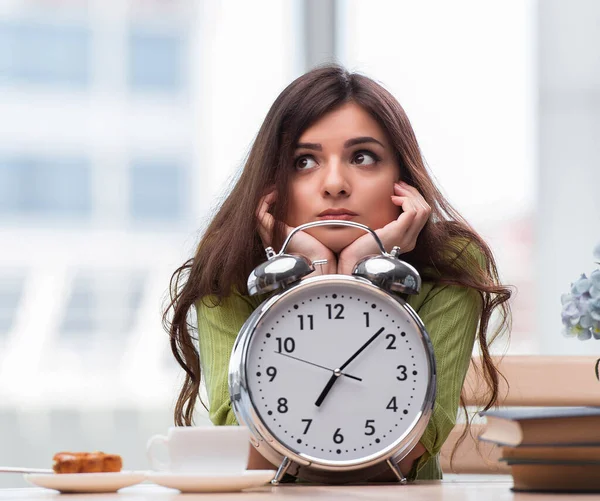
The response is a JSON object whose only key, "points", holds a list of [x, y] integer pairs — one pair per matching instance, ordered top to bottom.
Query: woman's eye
{"points": [[364, 158], [304, 163]]}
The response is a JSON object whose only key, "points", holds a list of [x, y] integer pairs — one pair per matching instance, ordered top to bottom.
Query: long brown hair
{"points": [[231, 248]]}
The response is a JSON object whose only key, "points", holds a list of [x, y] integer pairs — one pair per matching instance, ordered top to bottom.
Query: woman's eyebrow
{"points": [[362, 140], [350, 142], [309, 146]]}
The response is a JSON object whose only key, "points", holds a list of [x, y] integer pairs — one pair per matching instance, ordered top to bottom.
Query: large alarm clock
{"points": [[334, 375]]}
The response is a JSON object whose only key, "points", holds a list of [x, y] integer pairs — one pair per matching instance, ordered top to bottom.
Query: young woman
{"points": [[336, 145]]}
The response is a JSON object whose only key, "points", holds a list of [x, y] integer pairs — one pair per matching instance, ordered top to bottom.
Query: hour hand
{"points": [[325, 391]]}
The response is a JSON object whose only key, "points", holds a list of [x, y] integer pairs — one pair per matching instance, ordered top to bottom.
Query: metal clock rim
{"points": [[246, 412]]}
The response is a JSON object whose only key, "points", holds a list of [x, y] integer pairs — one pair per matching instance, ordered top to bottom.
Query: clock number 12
{"points": [[339, 308]]}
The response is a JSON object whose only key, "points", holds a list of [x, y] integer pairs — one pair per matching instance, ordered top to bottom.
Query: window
{"points": [[39, 53], [156, 62], [45, 187], [158, 191], [11, 289], [102, 304]]}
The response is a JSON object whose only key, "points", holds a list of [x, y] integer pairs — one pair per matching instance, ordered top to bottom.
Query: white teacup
{"points": [[204, 450]]}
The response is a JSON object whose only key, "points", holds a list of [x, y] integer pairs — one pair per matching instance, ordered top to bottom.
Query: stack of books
{"points": [[548, 449]]}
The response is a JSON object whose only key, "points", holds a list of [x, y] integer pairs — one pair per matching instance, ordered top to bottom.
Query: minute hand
{"points": [[362, 348], [338, 372]]}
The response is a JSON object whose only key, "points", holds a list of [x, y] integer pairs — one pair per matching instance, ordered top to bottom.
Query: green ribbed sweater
{"points": [[450, 314]]}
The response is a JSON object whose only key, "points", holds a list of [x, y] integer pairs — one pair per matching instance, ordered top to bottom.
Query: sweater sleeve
{"points": [[451, 316], [218, 327]]}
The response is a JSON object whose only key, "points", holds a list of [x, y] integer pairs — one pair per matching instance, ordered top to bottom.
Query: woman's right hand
{"points": [[301, 243]]}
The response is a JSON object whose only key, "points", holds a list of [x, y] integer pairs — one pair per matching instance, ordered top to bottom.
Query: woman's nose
{"points": [[335, 181]]}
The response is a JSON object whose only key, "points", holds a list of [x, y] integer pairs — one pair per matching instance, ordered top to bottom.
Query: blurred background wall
{"points": [[122, 123]]}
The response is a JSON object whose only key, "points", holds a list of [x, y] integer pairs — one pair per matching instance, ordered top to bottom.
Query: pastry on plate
{"points": [[86, 462]]}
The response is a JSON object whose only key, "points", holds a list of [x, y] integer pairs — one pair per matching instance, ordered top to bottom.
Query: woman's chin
{"points": [[336, 238]]}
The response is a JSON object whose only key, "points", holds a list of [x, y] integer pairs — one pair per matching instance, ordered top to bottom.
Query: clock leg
{"points": [[283, 467], [396, 469]]}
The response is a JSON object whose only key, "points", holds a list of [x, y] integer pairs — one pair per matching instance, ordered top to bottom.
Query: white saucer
{"points": [[86, 482], [188, 482]]}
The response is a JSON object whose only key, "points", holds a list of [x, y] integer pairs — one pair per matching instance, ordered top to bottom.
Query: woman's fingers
{"points": [[407, 190], [270, 197], [408, 204], [263, 210], [415, 212], [423, 212], [418, 216], [266, 221], [402, 232], [397, 233], [302, 243]]}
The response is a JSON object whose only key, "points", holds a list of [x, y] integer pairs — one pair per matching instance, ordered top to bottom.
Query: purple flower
{"points": [[595, 279], [580, 286], [594, 308], [580, 313]]}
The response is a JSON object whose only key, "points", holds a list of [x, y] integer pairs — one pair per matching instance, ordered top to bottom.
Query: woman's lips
{"points": [[336, 217]]}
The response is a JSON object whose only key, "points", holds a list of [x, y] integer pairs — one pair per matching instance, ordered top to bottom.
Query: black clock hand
{"points": [[361, 349], [317, 365], [337, 373], [325, 391]]}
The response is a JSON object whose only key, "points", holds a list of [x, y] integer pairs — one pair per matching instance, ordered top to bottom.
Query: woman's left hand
{"points": [[401, 232]]}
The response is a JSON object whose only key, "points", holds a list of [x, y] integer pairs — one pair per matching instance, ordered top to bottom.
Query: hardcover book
{"points": [[520, 426]]}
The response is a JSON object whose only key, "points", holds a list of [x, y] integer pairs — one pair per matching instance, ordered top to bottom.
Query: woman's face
{"points": [[345, 169]]}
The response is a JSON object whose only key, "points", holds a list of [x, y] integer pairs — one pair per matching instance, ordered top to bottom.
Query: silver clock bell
{"points": [[386, 270]]}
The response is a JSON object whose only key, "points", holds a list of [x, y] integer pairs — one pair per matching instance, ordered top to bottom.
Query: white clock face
{"points": [[338, 372]]}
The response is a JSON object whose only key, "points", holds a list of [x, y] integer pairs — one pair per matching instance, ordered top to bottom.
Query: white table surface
{"points": [[452, 488]]}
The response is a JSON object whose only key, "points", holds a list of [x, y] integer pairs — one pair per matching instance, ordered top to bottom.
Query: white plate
{"points": [[86, 482], [212, 483]]}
